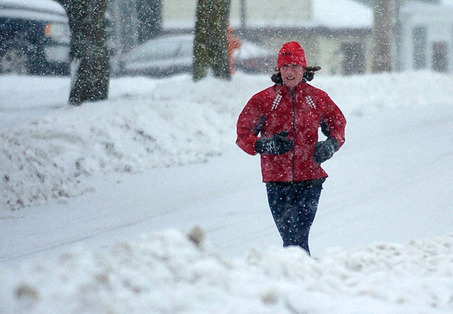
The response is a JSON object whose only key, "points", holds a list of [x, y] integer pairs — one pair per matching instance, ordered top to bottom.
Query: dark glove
{"points": [[276, 145], [325, 150]]}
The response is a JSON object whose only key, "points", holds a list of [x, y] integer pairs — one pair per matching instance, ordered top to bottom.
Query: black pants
{"points": [[293, 206]]}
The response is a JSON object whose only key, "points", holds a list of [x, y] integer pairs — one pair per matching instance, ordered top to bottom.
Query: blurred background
{"points": [[344, 37]]}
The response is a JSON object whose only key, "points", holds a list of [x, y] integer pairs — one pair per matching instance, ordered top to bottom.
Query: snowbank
{"points": [[158, 123], [168, 272]]}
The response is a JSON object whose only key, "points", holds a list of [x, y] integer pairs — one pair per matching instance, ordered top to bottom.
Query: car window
{"points": [[186, 48], [154, 50], [249, 50]]}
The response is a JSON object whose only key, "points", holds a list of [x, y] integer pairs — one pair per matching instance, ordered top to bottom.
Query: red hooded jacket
{"points": [[301, 113]]}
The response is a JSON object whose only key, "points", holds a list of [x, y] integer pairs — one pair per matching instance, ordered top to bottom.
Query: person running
{"points": [[281, 124]]}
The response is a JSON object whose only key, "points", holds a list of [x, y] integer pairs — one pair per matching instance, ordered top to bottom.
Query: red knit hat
{"points": [[290, 53]]}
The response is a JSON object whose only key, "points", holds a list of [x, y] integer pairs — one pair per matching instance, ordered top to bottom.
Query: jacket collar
{"points": [[282, 89]]}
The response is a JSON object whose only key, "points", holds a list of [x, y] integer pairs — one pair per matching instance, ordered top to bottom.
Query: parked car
{"points": [[34, 37], [168, 55], [251, 58]]}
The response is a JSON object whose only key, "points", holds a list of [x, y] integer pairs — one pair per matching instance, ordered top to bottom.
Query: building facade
{"points": [[336, 35], [426, 37]]}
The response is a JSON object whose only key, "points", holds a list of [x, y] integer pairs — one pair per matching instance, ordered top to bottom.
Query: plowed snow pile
{"points": [[168, 272]]}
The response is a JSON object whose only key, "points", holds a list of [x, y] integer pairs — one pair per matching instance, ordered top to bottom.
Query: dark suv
{"points": [[34, 37]]}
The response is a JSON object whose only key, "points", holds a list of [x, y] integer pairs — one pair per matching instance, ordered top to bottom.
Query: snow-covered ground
{"points": [[99, 204]]}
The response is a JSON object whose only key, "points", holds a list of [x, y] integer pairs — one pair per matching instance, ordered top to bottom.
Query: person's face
{"points": [[292, 74]]}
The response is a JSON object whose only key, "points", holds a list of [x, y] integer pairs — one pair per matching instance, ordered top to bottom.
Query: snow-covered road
{"points": [[391, 182]]}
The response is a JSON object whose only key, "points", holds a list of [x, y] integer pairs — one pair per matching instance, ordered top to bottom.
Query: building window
{"points": [[419, 40], [440, 56], [353, 58]]}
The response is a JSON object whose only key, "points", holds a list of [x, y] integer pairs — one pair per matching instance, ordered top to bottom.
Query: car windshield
{"points": [[162, 48], [154, 50], [249, 50]]}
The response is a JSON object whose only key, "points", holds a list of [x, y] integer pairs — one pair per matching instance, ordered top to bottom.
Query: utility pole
{"points": [[243, 8], [383, 35], [398, 35]]}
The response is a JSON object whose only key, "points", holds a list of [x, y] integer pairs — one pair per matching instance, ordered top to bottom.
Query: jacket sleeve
{"points": [[334, 122], [249, 125]]}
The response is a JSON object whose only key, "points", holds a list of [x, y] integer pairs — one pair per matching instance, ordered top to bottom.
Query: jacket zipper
{"points": [[293, 100]]}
